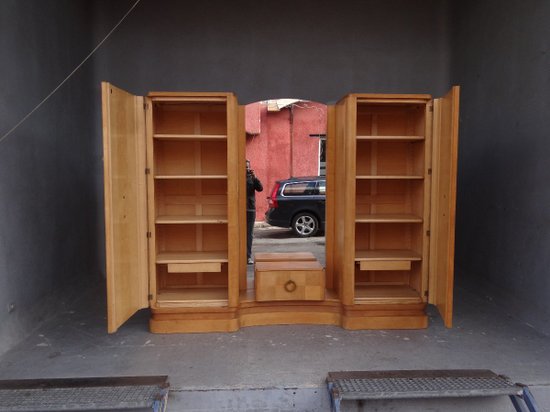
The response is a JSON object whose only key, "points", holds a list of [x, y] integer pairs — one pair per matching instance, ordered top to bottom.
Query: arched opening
{"points": [[286, 148]]}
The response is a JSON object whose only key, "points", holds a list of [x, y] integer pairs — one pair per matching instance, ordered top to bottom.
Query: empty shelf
{"points": [[176, 136], [391, 138], [191, 177], [389, 177], [388, 218], [168, 220], [375, 255], [386, 294], [193, 297]]}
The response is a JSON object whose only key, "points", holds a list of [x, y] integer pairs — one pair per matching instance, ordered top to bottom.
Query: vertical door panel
{"points": [[346, 116], [234, 165], [241, 178], [330, 202], [125, 204], [150, 204], [443, 204]]}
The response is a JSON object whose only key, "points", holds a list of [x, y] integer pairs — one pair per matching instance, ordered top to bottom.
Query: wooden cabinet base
{"points": [[290, 313], [385, 316], [356, 317], [286, 318], [385, 322], [194, 324]]}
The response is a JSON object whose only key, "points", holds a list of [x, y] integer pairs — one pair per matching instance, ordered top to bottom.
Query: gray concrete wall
{"points": [[318, 50], [501, 58], [49, 169]]}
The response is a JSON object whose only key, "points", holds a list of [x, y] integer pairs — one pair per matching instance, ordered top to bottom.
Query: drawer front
{"points": [[385, 265], [194, 267], [290, 285]]}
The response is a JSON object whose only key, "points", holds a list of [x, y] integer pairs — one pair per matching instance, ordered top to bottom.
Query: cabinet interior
{"points": [[190, 118], [391, 119], [390, 156], [189, 158], [390, 159], [382, 197], [190, 198]]}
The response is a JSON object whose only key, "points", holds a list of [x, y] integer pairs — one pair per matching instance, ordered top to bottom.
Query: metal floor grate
{"points": [[411, 384], [420, 384], [82, 394]]}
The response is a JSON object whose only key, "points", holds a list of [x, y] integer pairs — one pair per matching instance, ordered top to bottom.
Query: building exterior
{"points": [[284, 138]]}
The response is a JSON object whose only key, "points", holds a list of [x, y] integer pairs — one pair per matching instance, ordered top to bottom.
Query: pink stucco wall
{"points": [[279, 145]]}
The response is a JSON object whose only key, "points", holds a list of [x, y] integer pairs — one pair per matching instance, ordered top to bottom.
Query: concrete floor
{"points": [[276, 368]]}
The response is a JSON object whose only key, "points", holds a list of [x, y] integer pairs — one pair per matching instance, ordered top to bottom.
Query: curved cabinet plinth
{"points": [[356, 317]]}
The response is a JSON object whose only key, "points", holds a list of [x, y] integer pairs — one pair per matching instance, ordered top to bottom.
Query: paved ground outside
{"points": [[275, 239]]}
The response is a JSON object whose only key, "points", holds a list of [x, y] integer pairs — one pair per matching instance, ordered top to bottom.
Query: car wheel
{"points": [[305, 224]]}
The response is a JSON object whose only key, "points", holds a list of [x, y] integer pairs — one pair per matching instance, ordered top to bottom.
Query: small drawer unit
{"points": [[290, 280]]}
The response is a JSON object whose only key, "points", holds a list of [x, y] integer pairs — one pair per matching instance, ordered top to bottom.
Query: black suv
{"points": [[299, 203]]}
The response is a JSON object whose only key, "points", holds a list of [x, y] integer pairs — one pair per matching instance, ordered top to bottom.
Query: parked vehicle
{"points": [[298, 203]]}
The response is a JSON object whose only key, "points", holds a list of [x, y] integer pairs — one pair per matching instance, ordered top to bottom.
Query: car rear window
{"points": [[300, 189]]}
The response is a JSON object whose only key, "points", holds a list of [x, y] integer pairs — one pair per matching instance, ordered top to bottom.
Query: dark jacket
{"points": [[253, 185]]}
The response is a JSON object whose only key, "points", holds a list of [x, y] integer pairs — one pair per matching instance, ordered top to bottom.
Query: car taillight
{"points": [[272, 200]]}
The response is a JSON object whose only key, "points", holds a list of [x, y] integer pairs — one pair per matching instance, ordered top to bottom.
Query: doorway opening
{"points": [[286, 148]]}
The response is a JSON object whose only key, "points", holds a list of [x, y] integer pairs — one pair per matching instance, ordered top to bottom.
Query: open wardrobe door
{"points": [[445, 147], [125, 204]]}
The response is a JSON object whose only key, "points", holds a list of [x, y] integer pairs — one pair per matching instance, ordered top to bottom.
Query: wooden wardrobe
{"points": [[174, 172]]}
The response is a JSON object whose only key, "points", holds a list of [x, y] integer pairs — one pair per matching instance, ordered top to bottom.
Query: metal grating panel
{"points": [[420, 384], [83, 394]]}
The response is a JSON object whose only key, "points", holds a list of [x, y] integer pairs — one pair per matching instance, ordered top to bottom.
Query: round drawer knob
{"points": [[290, 286]]}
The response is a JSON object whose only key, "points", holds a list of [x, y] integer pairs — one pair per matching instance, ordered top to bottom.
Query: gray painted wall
{"points": [[318, 50], [501, 58], [49, 166], [51, 171]]}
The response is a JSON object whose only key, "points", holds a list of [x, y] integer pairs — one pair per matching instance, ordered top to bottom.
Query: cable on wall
{"points": [[70, 74], [305, 104]]}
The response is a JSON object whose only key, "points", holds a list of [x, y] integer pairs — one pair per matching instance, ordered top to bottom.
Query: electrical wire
{"points": [[70, 74], [305, 104]]}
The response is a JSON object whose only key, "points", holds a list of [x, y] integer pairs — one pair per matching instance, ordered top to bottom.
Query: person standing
{"points": [[253, 185]]}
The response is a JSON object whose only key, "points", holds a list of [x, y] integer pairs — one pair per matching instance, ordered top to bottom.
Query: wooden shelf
{"points": [[179, 97], [396, 99], [176, 136], [391, 138], [182, 177], [388, 177], [388, 218], [183, 220], [379, 255], [192, 257], [386, 294], [193, 297]]}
